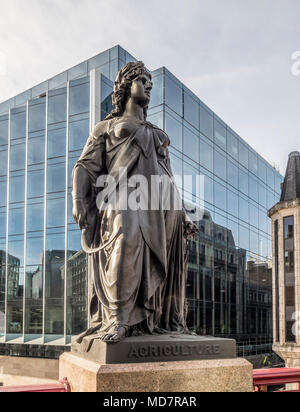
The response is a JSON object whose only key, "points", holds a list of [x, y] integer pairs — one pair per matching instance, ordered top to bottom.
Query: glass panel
{"points": [[79, 70], [157, 91], [173, 95], [79, 98], [57, 106], [191, 110], [36, 117], [206, 123], [18, 125], [174, 131], [3, 132], [78, 134], [220, 134], [56, 142], [190, 144], [232, 145], [36, 150], [243, 154], [206, 156], [17, 157], [3, 162], [253, 163], [220, 165], [262, 170], [232, 174], [56, 177], [243, 181], [35, 183], [17, 189], [253, 189], [262, 191], [3, 193], [220, 196], [232, 203], [243, 209], [55, 212], [253, 215], [35, 217], [16, 221], [2, 223], [34, 251], [54, 284], [76, 285]]}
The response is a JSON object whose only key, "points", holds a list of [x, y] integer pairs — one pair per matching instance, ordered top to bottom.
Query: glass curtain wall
{"points": [[43, 279], [229, 286]]}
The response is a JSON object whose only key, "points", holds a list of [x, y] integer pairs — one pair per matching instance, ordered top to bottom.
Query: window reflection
{"points": [[173, 95], [79, 98], [57, 106], [37, 115], [206, 123], [18, 124], [174, 131], [78, 134], [56, 142], [191, 144], [36, 150], [17, 157], [56, 177], [35, 183], [17, 189], [35, 217]]}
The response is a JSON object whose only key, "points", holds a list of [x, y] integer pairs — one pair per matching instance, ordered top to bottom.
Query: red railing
{"points": [[275, 380], [61, 386]]}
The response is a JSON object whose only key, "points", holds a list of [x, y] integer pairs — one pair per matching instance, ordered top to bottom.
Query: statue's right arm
{"points": [[82, 180]]}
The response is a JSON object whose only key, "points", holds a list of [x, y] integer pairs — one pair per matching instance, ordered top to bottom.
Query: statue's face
{"points": [[141, 90]]}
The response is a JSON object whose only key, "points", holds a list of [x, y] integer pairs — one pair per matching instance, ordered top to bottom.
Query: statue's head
{"points": [[132, 81]]}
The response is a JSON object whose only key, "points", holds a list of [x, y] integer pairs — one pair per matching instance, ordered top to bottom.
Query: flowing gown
{"points": [[137, 258]]}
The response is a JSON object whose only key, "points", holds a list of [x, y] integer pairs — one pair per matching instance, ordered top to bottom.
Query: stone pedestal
{"points": [[155, 348], [290, 353], [165, 363], [226, 375]]}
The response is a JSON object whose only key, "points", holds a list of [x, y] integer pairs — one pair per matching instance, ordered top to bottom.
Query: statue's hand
{"points": [[80, 213]]}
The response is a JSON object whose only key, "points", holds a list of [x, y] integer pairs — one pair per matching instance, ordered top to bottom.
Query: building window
{"points": [[289, 272], [277, 336]]}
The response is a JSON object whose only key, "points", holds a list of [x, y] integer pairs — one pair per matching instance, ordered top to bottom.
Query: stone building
{"points": [[285, 217]]}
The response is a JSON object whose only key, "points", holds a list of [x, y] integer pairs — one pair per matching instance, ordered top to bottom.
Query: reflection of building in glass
{"points": [[43, 131], [77, 291], [228, 295]]}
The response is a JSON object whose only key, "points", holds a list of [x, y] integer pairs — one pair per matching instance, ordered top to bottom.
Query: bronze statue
{"points": [[137, 258]]}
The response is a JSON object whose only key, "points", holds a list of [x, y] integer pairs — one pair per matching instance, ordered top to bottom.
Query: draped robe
{"points": [[137, 259]]}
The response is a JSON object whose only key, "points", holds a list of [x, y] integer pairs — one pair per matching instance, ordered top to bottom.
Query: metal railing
{"points": [[276, 380], [61, 386]]}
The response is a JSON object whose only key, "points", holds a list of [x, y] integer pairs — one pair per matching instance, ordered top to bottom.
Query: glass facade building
{"points": [[43, 271]]}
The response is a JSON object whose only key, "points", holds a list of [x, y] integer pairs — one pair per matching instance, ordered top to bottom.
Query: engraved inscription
{"points": [[147, 351]]}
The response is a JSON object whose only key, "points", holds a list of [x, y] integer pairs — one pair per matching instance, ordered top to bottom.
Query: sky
{"points": [[236, 55]]}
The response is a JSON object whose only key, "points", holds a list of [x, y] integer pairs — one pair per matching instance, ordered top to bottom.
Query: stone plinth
{"points": [[155, 348], [290, 353], [225, 375]]}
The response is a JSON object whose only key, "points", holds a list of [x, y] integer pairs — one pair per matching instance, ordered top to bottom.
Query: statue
{"points": [[137, 258]]}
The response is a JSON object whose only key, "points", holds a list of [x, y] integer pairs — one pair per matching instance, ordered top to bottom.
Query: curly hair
{"points": [[122, 85]]}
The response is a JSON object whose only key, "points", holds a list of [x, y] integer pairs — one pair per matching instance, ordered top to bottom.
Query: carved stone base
{"points": [[155, 348], [226, 375]]}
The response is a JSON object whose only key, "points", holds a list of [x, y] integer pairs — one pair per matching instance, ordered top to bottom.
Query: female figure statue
{"points": [[137, 258]]}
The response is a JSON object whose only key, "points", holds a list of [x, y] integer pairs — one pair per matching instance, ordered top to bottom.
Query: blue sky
{"points": [[234, 54]]}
